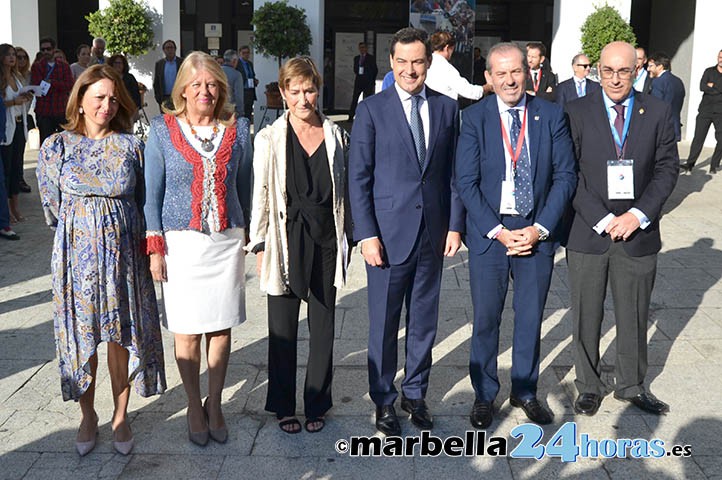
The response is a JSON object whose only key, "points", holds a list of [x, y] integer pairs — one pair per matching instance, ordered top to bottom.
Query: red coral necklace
{"points": [[206, 143]]}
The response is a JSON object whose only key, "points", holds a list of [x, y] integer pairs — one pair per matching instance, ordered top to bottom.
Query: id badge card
{"points": [[360, 70], [250, 83], [44, 88], [620, 179], [508, 204]]}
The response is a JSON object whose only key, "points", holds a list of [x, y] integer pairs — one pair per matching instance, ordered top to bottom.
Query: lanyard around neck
{"points": [[520, 141], [620, 142]]}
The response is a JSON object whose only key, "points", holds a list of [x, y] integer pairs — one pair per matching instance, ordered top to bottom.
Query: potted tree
{"points": [[126, 26], [602, 26], [281, 31]]}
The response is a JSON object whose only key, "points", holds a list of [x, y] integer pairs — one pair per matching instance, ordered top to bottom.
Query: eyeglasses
{"points": [[584, 65], [623, 74]]}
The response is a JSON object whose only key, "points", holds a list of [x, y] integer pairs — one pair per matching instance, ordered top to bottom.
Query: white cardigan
{"points": [[268, 215]]}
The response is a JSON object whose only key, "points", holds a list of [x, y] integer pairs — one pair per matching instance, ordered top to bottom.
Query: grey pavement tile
{"points": [[686, 323], [14, 345], [711, 350], [678, 352], [14, 374], [39, 431], [701, 432], [158, 433], [16, 464], [711, 465], [70, 466], [173, 467], [301, 468], [348, 468], [433, 468], [666, 468], [552, 469]]}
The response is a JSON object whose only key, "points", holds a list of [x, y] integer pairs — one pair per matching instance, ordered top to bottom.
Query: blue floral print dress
{"points": [[102, 288]]}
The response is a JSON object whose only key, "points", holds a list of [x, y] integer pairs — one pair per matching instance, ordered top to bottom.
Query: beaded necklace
{"points": [[206, 143]]}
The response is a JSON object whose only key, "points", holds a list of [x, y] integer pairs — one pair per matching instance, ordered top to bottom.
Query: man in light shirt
{"points": [[443, 76], [579, 85]]}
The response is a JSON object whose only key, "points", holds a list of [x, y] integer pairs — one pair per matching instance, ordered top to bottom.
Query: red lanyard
{"points": [[538, 80], [519, 144]]}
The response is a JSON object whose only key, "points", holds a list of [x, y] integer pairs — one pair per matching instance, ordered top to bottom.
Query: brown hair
{"points": [[440, 40], [113, 58], [192, 64], [299, 68], [6, 74], [24, 74], [122, 120]]}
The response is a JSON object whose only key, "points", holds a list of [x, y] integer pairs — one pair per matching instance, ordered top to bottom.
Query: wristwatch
{"points": [[543, 234]]}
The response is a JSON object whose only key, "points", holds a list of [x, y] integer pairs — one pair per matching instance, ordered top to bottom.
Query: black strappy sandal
{"points": [[311, 420], [290, 421]]}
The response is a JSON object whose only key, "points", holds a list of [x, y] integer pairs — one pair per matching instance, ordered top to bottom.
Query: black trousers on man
{"points": [[358, 88], [704, 120]]}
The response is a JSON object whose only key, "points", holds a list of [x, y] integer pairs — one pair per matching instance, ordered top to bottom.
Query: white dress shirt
{"points": [[444, 78], [405, 98]]}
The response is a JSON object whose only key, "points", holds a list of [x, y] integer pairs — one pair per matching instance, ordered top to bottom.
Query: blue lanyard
{"points": [[50, 72], [620, 142]]}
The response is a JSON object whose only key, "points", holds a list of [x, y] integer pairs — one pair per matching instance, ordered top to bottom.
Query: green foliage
{"points": [[604, 25], [126, 26], [281, 31]]}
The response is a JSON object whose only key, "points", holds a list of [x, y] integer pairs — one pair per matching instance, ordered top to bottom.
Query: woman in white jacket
{"points": [[297, 234]]}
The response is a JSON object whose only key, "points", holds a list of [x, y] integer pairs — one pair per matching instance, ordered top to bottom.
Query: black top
{"points": [[712, 98], [309, 206]]}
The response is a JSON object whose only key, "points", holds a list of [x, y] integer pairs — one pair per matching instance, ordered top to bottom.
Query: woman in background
{"points": [[83, 54]]}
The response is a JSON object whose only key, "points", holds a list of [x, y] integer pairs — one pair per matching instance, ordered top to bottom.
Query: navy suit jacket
{"points": [[670, 88], [567, 90], [650, 143], [481, 167], [388, 191]]}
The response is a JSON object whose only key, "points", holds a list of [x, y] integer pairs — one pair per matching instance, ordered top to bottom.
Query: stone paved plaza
{"points": [[37, 429]]}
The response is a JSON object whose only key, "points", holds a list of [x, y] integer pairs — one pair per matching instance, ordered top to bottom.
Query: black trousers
{"points": [[367, 89], [248, 100], [704, 120], [49, 125], [12, 157], [282, 342]]}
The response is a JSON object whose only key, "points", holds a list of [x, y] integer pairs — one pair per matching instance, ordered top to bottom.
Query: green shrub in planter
{"points": [[604, 25], [126, 26], [281, 31]]}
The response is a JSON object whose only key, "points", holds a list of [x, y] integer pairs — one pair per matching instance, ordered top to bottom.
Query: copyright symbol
{"points": [[342, 446]]}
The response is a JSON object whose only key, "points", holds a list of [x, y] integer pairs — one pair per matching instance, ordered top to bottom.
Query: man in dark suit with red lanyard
{"points": [[540, 80], [628, 166], [515, 173], [407, 217]]}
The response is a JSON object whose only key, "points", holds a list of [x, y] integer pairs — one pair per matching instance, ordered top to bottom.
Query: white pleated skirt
{"points": [[205, 291]]}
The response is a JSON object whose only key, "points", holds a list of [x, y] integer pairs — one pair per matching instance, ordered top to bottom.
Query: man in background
{"points": [[364, 67], [166, 70], [235, 81], [250, 82], [579, 85], [667, 86]]}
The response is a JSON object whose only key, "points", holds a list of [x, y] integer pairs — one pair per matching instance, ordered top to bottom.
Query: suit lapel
{"points": [[396, 112], [434, 119], [600, 119], [636, 125]]}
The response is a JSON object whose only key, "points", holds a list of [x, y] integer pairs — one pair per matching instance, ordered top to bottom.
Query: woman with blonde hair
{"points": [[198, 162], [90, 178], [297, 234]]}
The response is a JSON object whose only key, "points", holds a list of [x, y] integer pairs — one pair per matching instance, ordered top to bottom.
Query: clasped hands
{"points": [[622, 227], [519, 242]]}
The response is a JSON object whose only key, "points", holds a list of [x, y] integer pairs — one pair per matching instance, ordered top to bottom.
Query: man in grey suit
{"points": [[235, 81], [628, 167]]}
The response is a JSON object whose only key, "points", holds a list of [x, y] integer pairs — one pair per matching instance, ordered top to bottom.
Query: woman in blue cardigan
{"points": [[198, 170]]}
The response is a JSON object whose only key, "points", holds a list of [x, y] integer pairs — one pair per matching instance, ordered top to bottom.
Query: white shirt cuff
{"points": [[643, 220], [601, 225], [494, 231]]}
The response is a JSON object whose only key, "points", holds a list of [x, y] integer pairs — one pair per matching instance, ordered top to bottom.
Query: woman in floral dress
{"points": [[91, 186]]}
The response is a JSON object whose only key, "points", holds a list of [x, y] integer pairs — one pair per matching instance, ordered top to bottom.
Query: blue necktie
{"points": [[580, 90], [417, 130], [523, 193]]}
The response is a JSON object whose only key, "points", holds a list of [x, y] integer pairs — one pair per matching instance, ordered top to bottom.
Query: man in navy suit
{"points": [[365, 71], [540, 80], [579, 85], [667, 86], [628, 167], [515, 173], [407, 217]]}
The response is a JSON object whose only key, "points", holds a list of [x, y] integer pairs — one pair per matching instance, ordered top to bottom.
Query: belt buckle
{"points": [[18, 119]]}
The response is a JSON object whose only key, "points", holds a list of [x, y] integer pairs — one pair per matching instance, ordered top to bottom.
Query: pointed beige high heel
{"points": [[220, 435]]}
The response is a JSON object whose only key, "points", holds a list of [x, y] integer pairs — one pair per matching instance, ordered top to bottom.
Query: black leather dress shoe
{"points": [[685, 167], [712, 170], [24, 187], [647, 402], [587, 403], [535, 411], [482, 413], [420, 415], [386, 421]]}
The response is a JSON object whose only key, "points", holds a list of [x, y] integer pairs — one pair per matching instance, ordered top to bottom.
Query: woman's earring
{"points": [[80, 110]]}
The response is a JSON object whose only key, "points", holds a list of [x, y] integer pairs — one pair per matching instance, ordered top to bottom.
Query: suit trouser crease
{"points": [[489, 278], [631, 281], [416, 282], [283, 313]]}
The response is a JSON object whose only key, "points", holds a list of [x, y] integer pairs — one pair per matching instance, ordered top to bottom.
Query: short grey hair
{"points": [[99, 39], [505, 47], [229, 55]]}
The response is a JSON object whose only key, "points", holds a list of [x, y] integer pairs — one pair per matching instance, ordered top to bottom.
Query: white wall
{"points": [[569, 15], [19, 24], [707, 44], [267, 68]]}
